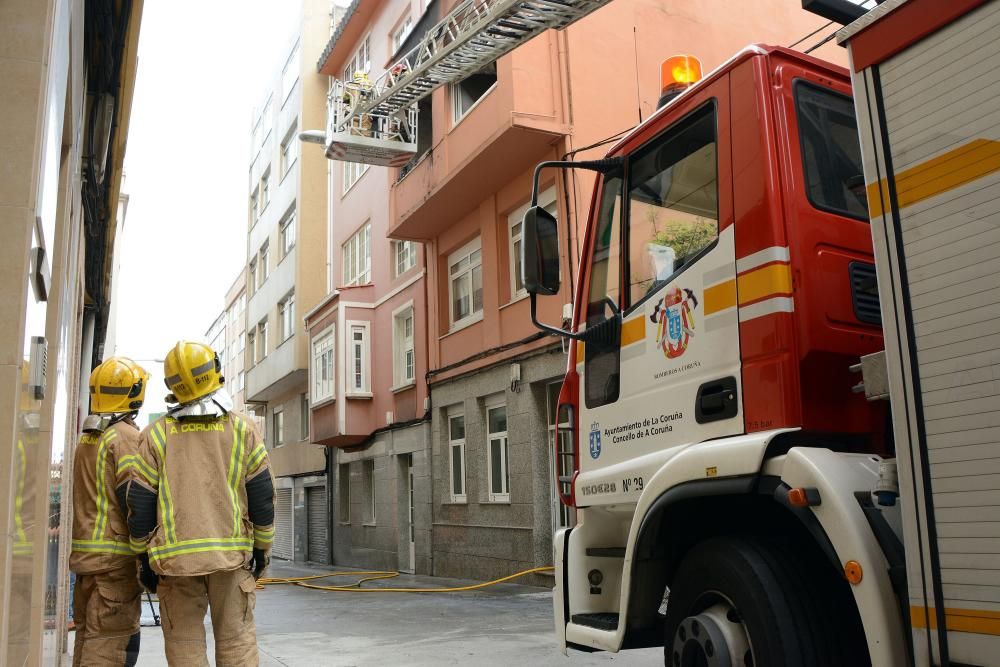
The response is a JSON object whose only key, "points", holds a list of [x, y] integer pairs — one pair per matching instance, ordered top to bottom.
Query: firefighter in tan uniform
{"points": [[201, 506], [106, 598]]}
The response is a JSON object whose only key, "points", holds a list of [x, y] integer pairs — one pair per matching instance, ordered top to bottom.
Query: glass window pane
{"points": [[831, 154], [673, 203], [605, 273], [518, 285], [477, 289], [462, 297], [498, 419], [456, 426], [456, 470], [496, 470]]}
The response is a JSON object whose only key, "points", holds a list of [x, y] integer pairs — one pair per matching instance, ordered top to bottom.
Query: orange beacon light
{"points": [[677, 73]]}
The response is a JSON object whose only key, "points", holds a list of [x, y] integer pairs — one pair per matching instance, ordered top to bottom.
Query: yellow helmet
{"points": [[192, 370], [117, 385]]}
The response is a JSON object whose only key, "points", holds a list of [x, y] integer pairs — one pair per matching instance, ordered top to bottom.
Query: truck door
{"points": [[663, 250]]}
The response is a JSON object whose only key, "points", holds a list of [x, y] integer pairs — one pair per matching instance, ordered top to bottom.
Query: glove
{"points": [[259, 562], [148, 578]]}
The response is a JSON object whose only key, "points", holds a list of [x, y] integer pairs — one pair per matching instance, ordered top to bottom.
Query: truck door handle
{"points": [[716, 400]]}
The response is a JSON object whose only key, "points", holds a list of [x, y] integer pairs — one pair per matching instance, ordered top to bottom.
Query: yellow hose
{"points": [[355, 587]]}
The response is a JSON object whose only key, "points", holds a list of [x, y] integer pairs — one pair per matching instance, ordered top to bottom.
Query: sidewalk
{"points": [[502, 625]]}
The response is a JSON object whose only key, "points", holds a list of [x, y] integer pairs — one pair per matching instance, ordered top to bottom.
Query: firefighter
{"points": [[201, 509], [106, 598]]}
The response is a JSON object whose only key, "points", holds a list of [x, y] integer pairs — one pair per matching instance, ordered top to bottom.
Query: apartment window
{"points": [[401, 32], [359, 62], [290, 74], [467, 92], [265, 116], [255, 138], [289, 150], [353, 171], [265, 189], [546, 200], [254, 206], [287, 233], [406, 256], [357, 257], [262, 261], [252, 276], [465, 284], [243, 303], [286, 317], [261, 340], [240, 342], [252, 345], [359, 356], [404, 360], [322, 370], [241, 381], [304, 416], [278, 426], [496, 439], [456, 456], [369, 482], [344, 491]]}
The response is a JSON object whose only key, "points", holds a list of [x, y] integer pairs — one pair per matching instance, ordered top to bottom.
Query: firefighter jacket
{"points": [[100, 478], [201, 495]]}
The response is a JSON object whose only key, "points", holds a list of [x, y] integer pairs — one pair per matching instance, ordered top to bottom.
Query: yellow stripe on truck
{"points": [[945, 172], [767, 281], [720, 297], [633, 331], [976, 621]]}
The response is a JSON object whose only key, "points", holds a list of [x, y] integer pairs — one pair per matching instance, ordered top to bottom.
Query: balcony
{"points": [[508, 130]]}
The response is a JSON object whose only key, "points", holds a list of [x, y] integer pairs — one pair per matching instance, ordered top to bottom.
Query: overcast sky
{"points": [[202, 67]]}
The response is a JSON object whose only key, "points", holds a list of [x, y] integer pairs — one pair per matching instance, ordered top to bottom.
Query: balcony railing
{"points": [[388, 139]]}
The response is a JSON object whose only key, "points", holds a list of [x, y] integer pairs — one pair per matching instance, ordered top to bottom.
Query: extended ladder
{"points": [[375, 122]]}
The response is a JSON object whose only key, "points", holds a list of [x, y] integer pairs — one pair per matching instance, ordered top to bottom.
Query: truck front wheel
{"points": [[745, 601]]}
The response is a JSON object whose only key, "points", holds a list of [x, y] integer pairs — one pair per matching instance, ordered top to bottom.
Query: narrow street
{"points": [[504, 625]]}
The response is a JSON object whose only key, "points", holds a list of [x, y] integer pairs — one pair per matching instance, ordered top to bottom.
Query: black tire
{"points": [[793, 617]]}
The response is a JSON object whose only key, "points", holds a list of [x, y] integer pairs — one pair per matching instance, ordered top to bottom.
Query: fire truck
{"points": [[783, 382], [783, 385]]}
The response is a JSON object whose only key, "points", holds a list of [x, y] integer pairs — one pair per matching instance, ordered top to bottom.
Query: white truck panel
{"points": [[929, 120]]}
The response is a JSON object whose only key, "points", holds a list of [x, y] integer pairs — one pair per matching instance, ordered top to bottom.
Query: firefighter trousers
{"points": [[231, 597], [106, 610]]}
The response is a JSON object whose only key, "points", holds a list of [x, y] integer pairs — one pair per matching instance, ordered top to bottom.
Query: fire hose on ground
{"points": [[356, 586]]}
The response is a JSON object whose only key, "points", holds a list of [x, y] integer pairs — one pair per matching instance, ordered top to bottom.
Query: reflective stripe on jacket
{"points": [[100, 473], [188, 494]]}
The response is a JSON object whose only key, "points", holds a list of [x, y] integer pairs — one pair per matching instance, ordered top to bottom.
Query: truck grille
{"points": [[864, 293]]}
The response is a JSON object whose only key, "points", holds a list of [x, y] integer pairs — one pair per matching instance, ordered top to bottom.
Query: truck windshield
{"points": [[831, 154]]}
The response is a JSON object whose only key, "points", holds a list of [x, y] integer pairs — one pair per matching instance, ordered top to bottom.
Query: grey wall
{"points": [[481, 539]]}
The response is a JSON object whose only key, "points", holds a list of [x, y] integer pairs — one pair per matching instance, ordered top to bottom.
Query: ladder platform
{"points": [[348, 147]]}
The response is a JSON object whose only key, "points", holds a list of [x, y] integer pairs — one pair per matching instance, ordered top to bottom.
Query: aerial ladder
{"points": [[375, 122]]}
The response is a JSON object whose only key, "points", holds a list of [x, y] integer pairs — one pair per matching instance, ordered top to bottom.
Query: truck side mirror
{"points": [[540, 252]]}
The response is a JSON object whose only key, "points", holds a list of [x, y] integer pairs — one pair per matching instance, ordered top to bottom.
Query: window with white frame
{"points": [[401, 32], [359, 62], [290, 73], [467, 92], [265, 117], [256, 137], [289, 150], [353, 171], [265, 189], [546, 200], [254, 206], [287, 233], [406, 256], [357, 257], [262, 264], [252, 276], [465, 283], [243, 302], [286, 317], [261, 340], [241, 342], [252, 345], [359, 359], [404, 360], [322, 371], [241, 380], [303, 416], [278, 426], [496, 452], [456, 456], [368, 465], [344, 491]]}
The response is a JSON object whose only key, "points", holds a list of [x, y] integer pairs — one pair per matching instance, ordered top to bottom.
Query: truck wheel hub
{"points": [[714, 638]]}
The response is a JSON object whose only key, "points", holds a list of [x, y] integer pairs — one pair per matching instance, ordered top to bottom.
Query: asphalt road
{"points": [[506, 625]]}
